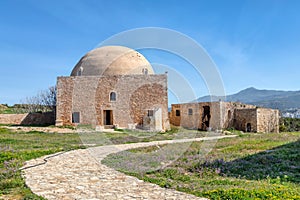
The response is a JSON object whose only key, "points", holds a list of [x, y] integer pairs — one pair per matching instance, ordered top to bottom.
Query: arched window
{"points": [[145, 71], [112, 96]]}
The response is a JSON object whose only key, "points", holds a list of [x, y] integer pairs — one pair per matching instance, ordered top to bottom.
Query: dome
{"points": [[112, 60]]}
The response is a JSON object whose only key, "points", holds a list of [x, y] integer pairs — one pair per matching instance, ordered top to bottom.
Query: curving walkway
{"points": [[79, 174]]}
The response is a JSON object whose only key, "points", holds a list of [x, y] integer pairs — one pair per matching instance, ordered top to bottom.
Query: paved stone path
{"points": [[79, 174]]}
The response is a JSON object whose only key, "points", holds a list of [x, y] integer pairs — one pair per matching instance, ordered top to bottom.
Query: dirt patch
{"points": [[41, 129]]}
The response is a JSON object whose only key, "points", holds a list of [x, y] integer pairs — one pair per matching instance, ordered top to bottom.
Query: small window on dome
{"points": [[145, 71], [79, 72], [112, 96]]}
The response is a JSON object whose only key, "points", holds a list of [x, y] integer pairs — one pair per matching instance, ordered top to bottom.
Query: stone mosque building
{"points": [[114, 86]]}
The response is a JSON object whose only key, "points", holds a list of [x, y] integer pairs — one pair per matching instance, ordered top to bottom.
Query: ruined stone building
{"points": [[113, 86], [224, 115]]}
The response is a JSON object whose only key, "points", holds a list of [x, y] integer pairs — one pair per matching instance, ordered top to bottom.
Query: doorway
{"points": [[107, 117], [205, 117], [248, 127]]}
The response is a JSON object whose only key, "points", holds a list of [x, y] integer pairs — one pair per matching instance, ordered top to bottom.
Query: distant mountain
{"points": [[281, 100]]}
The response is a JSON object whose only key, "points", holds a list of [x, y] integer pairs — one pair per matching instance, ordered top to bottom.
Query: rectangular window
{"points": [[190, 111], [150, 113], [177, 113], [75, 117]]}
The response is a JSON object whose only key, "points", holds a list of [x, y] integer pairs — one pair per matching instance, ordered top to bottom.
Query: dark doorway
{"points": [[229, 114], [108, 117], [205, 117], [248, 127]]}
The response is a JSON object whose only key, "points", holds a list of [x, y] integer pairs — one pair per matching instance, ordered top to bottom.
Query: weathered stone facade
{"points": [[136, 95], [224, 115], [267, 120]]}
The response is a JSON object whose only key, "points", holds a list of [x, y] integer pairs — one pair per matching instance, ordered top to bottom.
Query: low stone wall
{"points": [[12, 118], [28, 119]]}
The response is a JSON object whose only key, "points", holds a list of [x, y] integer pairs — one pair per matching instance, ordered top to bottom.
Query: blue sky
{"points": [[253, 43]]}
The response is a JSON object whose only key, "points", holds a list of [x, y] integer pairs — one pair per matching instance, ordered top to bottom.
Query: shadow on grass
{"points": [[281, 163]]}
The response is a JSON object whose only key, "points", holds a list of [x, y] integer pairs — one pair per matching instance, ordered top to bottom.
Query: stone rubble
{"points": [[79, 174]]}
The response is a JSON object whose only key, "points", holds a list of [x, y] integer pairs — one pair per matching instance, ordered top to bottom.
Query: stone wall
{"points": [[90, 96], [64, 98], [227, 112], [192, 115], [224, 115], [245, 116], [12, 118], [28, 119], [175, 120], [267, 120]]}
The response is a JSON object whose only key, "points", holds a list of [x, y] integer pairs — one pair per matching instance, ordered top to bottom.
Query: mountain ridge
{"points": [[276, 99]]}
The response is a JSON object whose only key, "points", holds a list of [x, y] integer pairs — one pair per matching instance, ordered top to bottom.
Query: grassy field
{"points": [[17, 147], [252, 166], [265, 166]]}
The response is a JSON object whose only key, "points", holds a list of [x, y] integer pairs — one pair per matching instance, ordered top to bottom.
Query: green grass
{"points": [[11, 110], [8, 111], [16, 148], [252, 166], [262, 166]]}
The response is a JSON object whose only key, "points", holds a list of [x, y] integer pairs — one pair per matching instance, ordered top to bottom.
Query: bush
{"points": [[289, 124], [282, 128]]}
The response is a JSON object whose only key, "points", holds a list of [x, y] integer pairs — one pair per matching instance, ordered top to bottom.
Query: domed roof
{"points": [[112, 60]]}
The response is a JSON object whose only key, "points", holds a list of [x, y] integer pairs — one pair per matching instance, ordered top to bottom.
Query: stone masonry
{"points": [[90, 96], [224, 115], [47, 118]]}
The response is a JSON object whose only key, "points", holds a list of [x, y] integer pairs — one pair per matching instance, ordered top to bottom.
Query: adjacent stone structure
{"points": [[113, 87], [224, 115], [261, 120]]}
